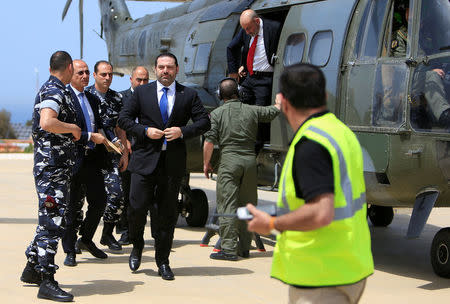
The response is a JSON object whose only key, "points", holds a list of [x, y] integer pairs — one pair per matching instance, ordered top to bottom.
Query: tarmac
{"points": [[403, 272]]}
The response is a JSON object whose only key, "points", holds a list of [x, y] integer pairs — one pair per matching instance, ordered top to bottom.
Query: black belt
{"points": [[262, 74]]}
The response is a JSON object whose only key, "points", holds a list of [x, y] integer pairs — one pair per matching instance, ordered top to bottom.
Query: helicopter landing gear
{"points": [[193, 205], [380, 216], [440, 253]]}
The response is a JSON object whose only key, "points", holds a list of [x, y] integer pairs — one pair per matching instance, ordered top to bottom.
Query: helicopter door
{"points": [[307, 38]]}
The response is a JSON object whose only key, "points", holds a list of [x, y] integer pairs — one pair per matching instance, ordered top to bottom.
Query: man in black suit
{"points": [[258, 39], [139, 76], [158, 162], [88, 179]]}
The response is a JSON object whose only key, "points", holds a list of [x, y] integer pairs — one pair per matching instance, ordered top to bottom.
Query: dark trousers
{"points": [[257, 90], [86, 183], [158, 193], [122, 225]]}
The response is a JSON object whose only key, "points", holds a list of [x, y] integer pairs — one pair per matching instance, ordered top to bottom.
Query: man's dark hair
{"points": [[166, 55], [60, 60], [100, 62], [303, 85], [228, 89]]}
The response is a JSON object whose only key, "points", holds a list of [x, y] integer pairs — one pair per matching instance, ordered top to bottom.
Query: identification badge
{"points": [[394, 44]]}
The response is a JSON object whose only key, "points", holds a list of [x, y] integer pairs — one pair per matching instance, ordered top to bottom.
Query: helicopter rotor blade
{"points": [[66, 8], [80, 10]]}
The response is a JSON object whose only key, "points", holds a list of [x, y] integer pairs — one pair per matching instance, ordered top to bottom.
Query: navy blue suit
{"points": [[87, 181]]}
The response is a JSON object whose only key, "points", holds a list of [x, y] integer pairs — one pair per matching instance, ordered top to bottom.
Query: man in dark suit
{"points": [[258, 39], [139, 76], [158, 162], [88, 179]]}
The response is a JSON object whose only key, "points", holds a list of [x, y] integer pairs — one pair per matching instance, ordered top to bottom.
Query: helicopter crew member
{"points": [[259, 40], [139, 76], [427, 81], [110, 106], [234, 127], [55, 132], [158, 161], [87, 181], [323, 249]]}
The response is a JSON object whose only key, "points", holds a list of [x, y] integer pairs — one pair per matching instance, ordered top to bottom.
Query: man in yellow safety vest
{"points": [[323, 247]]}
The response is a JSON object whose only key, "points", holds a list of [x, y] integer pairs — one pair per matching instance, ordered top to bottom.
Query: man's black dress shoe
{"points": [[124, 240], [110, 241], [90, 246], [244, 254], [135, 258], [70, 259], [165, 272]]}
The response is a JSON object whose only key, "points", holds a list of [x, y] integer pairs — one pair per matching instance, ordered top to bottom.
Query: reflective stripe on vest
{"points": [[352, 205]]}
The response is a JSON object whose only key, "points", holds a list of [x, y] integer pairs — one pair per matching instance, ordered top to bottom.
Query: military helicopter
{"points": [[394, 104]]}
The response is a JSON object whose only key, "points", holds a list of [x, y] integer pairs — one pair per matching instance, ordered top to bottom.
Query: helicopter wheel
{"points": [[197, 209], [380, 216], [440, 253]]}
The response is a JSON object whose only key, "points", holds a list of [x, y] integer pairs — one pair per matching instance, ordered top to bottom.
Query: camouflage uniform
{"points": [[110, 106], [234, 127], [54, 156]]}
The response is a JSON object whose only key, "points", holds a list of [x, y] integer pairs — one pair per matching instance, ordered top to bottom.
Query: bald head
{"points": [[250, 22], [139, 76], [228, 89]]}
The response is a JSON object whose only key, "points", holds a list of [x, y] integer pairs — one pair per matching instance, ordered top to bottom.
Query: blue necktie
{"points": [[163, 103], [86, 118]]}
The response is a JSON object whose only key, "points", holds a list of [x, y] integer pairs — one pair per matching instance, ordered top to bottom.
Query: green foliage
{"points": [[6, 130], [28, 149]]}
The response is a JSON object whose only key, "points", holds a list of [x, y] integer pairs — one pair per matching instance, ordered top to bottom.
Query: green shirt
{"points": [[234, 125]]}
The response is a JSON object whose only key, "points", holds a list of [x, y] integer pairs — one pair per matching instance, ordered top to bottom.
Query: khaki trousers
{"points": [[344, 294]]}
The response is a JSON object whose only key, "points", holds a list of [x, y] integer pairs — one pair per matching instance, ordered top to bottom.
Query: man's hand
{"points": [[242, 72], [440, 72], [76, 132], [154, 133], [172, 133], [98, 138], [129, 146], [123, 162], [207, 169], [260, 222]]}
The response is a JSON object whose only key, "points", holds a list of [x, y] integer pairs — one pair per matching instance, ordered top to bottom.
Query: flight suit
{"points": [[426, 82], [110, 106], [234, 128], [54, 160]]}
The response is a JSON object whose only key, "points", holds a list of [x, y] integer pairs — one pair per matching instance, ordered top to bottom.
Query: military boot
{"points": [[108, 239], [30, 275], [50, 290]]}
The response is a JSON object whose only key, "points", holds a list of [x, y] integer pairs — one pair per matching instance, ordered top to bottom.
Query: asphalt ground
{"points": [[403, 272]]}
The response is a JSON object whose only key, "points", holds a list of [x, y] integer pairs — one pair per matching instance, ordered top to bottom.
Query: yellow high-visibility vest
{"points": [[340, 253]]}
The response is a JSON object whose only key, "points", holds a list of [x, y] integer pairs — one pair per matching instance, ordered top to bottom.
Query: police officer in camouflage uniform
{"points": [[427, 81], [110, 106], [234, 128], [54, 134]]}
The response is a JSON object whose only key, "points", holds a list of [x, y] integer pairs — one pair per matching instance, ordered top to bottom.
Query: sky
{"points": [[30, 31]]}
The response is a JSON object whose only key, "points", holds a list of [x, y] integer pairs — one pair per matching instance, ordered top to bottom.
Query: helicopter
{"points": [[388, 101]]}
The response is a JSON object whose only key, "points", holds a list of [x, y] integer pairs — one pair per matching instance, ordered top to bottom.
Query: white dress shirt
{"points": [[260, 62], [170, 100]]}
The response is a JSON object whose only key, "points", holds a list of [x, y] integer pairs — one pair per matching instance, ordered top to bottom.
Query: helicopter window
{"points": [[434, 33], [368, 38], [295, 46], [320, 49], [202, 58], [390, 88], [429, 96]]}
